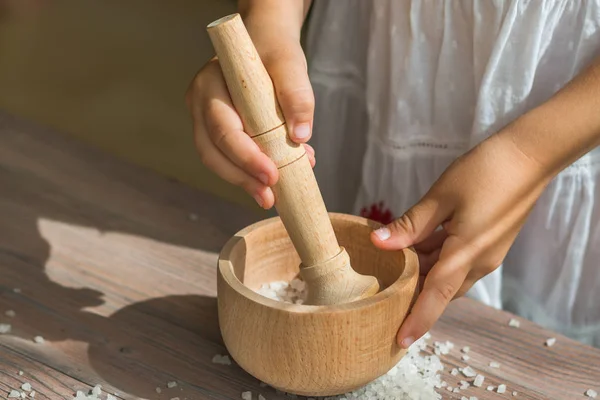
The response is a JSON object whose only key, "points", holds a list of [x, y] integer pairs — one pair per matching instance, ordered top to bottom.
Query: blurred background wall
{"points": [[113, 73]]}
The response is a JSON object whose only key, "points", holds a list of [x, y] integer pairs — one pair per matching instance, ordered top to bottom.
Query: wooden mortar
{"points": [[312, 350]]}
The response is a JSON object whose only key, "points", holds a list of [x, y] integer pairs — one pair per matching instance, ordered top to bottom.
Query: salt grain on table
{"points": [[10, 313], [514, 323], [5, 328], [39, 340], [550, 342], [221, 359], [494, 364], [469, 372], [478, 380], [171, 385], [26, 387], [501, 389], [591, 393], [14, 394], [247, 395]]}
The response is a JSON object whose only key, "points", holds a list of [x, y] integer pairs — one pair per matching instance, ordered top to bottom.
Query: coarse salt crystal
{"points": [[10, 313], [514, 323], [5, 328], [38, 339], [550, 342], [466, 349], [465, 357], [221, 359], [494, 364], [454, 372], [469, 372], [20, 373], [478, 380], [171, 384], [26, 387], [449, 388], [490, 388], [501, 389], [97, 390], [158, 390], [455, 390], [514, 393], [591, 393], [14, 394], [32, 394], [23, 395], [247, 395], [110, 397], [464, 398], [473, 398]]}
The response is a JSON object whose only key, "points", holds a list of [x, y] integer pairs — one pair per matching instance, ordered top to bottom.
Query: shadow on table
{"points": [[134, 347]]}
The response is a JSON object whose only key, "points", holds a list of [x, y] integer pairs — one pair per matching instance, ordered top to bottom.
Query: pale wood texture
{"points": [[298, 199], [122, 284], [312, 350]]}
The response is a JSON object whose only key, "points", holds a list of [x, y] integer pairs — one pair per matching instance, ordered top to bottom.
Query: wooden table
{"points": [[116, 270]]}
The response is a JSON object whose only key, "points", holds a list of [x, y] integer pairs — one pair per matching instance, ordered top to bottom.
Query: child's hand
{"points": [[220, 139], [481, 202]]}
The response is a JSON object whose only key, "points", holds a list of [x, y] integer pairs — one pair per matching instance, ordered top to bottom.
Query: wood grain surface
{"points": [[117, 271]]}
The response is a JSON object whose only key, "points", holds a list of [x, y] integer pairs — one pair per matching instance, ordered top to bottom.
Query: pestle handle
{"points": [[298, 199]]}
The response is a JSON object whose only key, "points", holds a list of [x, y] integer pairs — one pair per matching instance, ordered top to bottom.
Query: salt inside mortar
{"points": [[415, 377]]}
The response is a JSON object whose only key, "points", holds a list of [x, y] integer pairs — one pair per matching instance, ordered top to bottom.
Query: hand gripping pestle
{"points": [[325, 265]]}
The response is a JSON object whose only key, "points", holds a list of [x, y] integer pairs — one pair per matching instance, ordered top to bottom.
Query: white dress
{"points": [[404, 87]]}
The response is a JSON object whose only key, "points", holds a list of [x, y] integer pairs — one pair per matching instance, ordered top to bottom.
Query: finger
{"points": [[288, 70], [215, 116], [310, 152], [225, 169], [415, 225], [441, 285]]}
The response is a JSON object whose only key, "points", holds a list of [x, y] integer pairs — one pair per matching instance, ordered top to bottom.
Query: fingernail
{"points": [[302, 131], [263, 178], [259, 200], [383, 233], [407, 342]]}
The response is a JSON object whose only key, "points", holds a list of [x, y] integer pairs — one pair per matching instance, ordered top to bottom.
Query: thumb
{"points": [[288, 70], [414, 226]]}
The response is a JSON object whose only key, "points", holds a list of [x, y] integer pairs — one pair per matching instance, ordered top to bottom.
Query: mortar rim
{"points": [[408, 277]]}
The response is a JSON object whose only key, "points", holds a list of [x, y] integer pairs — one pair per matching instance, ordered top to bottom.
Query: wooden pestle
{"points": [[325, 264]]}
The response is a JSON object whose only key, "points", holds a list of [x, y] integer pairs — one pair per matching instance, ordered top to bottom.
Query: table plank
{"points": [[121, 283], [527, 366]]}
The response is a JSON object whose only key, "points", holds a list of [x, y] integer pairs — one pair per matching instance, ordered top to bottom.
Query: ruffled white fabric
{"points": [[403, 87]]}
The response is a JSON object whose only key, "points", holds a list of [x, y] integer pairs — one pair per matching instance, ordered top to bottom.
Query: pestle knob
{"points": [[325, 265]]}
